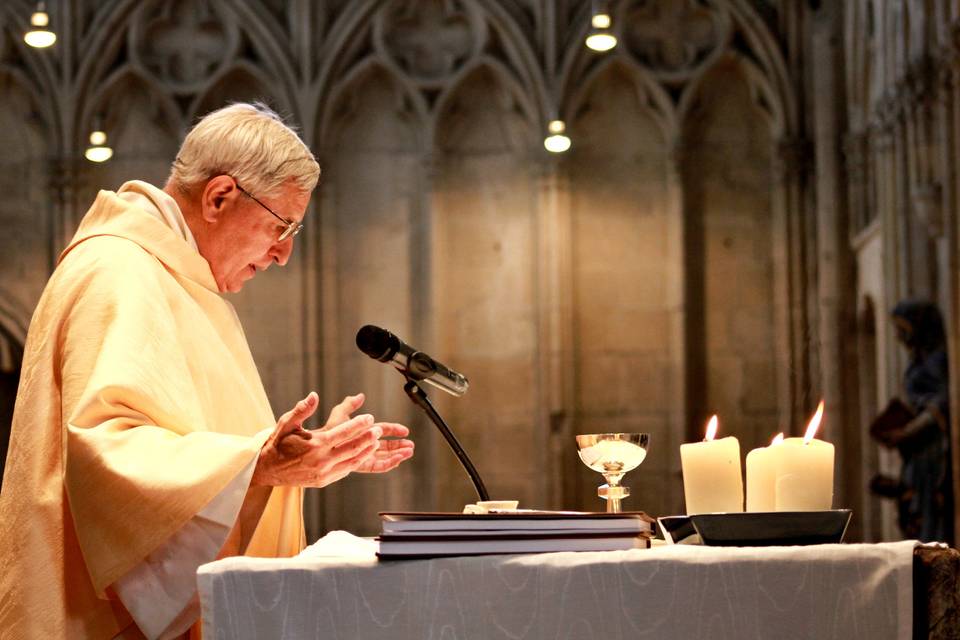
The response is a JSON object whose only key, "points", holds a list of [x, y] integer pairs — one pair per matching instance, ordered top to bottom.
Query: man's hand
{"points": [[390, 453], [294, 456]]}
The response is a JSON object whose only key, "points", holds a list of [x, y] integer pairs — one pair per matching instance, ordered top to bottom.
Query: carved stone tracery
{"points": [[674, 38], [429, 40], [183, 44], [441, 56]]}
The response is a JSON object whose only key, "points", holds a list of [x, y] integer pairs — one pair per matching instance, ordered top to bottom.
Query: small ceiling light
{"points": [[40, 36], [600, 38], [556, 142], [98, 151]]}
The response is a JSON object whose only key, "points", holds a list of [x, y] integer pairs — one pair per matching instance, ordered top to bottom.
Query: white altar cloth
{"points": [[844, 591]]}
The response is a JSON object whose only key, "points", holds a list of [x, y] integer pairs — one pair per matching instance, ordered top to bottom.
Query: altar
{"points": [[842, 591]]}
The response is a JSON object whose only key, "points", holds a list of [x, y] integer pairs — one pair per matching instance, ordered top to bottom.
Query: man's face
{"points": [[245, 237]]}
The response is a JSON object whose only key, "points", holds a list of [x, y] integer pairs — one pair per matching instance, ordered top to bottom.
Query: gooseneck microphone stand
{"points": [[419, 398]]}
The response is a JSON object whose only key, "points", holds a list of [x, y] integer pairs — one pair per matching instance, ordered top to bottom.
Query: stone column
{"points": [[883, 158], [63, 216], [424, 250], [835, 273], [676, 299], [555, 329], [313, 333], [793, 364], [322, 507]]}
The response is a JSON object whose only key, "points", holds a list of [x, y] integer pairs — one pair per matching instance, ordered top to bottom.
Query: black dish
{"points": [[771, 528], [677, 529]]}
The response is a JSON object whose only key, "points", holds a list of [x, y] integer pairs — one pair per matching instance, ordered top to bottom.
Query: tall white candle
{"points": [[805, 471], [762, 476], [712, 479]]}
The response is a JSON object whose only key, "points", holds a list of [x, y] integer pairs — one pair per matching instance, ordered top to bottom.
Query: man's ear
{"points": [[219, 191]]}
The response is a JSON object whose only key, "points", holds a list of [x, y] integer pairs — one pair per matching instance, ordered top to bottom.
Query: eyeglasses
{"points": [[293, 228]]}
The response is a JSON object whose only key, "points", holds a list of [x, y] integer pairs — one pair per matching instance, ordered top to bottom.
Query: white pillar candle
{"points": [[805, 471], [804, 475], [762, 477], [712, 479]]}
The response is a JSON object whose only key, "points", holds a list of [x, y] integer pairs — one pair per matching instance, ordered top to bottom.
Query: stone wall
{"points": [[901, 143], [664, 269]]}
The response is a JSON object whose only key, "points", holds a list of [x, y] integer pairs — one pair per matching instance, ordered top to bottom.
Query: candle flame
{"points": [[814, 424], [711, 429], [777, 439]]}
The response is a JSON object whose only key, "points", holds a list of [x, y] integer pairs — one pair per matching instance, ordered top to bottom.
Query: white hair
{"points": [[249, 142]]}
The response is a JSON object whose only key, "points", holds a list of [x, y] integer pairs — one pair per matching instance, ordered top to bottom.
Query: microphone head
{"points": [[377, 343]]}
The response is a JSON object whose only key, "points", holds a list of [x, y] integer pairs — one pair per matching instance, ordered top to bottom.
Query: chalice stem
{"points": [[613, 494]]}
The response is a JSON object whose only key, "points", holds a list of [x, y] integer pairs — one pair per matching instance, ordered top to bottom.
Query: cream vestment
{"points": [[138, 418]]}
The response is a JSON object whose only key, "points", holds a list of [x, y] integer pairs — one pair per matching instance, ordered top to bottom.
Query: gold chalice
{"points": [[613, 454]]}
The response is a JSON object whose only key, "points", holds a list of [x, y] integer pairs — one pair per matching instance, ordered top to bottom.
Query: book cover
{"points": [[894, 417], [635, 522], [403, 547]]}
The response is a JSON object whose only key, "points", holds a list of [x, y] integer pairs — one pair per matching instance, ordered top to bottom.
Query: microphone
{"points": [[382, 345]]}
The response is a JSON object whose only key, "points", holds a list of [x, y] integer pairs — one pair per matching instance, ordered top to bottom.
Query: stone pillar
{"points": [[63, 216], [423, 251], [676, 297], [836, 314], [555, 329], [313, 334], [793, 363], [889, 381]]}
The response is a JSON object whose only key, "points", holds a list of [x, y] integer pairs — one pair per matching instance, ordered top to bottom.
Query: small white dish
{"points": [[487, 506]]}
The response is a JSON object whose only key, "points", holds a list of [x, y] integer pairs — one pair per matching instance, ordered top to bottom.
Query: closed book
{"points": [[895, 416], [518, 523], [394, 546]]}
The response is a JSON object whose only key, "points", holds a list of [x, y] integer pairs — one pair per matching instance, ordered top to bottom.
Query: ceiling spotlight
{"points": [[40, 36], [601, 37], [557, 141], [98, 151]]}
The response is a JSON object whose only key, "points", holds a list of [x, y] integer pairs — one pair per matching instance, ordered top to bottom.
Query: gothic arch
{"points": [[113, 38], [268, 40], [338, 53], [522, 55], [763, 56], [770, 60], [519, 65], [36, 75], [355, 77], [505, 80], [240, 81], [761, 91], [510, 94], [650, 94], [33, 102], [101, 103]]}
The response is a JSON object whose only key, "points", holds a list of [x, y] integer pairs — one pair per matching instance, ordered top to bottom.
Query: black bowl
{"points": [[771, 528]]}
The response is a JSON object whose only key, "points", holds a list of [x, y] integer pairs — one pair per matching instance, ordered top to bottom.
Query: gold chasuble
{"points": [[139, 402]]}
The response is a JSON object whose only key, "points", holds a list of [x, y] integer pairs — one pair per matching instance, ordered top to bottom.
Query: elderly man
{"points": [[143, 444]]}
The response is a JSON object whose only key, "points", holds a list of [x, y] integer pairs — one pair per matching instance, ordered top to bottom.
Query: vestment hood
{"points": [[111, 215]]}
